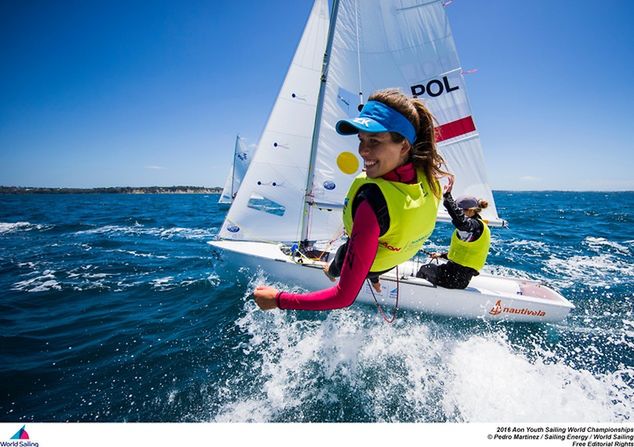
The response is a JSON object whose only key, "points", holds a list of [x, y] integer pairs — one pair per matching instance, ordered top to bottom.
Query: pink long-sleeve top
{"points": [[362, 247]]}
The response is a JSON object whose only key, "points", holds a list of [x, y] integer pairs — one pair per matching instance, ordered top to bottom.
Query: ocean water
{"points": [[111, 309]]}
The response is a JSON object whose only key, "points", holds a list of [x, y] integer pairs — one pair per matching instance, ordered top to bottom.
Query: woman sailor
{"points": [[390, 209], [469, 245]]}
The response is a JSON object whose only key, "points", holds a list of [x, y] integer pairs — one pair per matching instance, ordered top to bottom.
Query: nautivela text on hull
{"points": [[488, 297]]}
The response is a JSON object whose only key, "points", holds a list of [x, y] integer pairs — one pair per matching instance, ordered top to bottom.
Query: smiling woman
{"points": [[380, 153], [390, 209]]}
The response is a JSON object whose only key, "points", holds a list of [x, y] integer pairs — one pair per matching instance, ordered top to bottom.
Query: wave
{"points": [[13, 227], [163, 233], [598, 243], [139, 254], [602, 270], [45, 282]]}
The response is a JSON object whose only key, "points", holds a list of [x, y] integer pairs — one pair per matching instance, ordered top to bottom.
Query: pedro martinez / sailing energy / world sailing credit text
{"points": [[580, 436]]}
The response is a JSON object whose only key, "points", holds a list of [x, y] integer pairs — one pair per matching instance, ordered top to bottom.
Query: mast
{"points": [[233, 168], [308, 201]]}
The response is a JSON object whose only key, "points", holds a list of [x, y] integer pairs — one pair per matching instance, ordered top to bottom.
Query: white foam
{"points": [[11, 227], [108, 229], [163, 233], [186, 233], [529, 244], [598, 244], [521, 249], [140, 255], [29, 264], [499, 270], [602, 270], [214, 279], [42, 283], [164, 283], [168, 283], [409, 371], [490, 382], [249, 410]]}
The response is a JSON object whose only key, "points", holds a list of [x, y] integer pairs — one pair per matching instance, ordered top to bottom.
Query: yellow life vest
{"points": [[412, 209], [470, 254]]}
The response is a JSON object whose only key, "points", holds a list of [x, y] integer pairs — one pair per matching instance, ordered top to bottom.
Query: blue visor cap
{"points": [[377, 117]]}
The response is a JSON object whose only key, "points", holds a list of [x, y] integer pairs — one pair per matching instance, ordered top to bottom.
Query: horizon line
{"points": [[220, 187]]}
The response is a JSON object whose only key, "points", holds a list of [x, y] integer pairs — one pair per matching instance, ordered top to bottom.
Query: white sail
{"points": [[405, 44], [242, 156], [269, 204]]}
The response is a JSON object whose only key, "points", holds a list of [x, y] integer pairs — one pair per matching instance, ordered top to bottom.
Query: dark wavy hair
{"points": [[424, 154]]}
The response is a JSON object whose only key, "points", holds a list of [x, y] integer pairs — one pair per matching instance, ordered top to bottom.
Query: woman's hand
{"points": [[449, 186], [265, 297]]}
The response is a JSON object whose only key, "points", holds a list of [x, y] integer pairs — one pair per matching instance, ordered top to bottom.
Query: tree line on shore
{"points": [[113, 190]]}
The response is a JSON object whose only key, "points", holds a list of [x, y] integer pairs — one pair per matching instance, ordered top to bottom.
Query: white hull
{"points": [[487, 297]]}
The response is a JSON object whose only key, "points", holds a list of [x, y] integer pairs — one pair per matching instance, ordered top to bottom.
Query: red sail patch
{"points": [[455, 129]]}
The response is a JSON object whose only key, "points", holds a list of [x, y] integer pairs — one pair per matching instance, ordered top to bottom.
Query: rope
{"points": [[356, 18], [297, 248], [392, 319]]}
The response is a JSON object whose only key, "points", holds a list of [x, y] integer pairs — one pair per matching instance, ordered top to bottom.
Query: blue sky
{"points": [[107, 93]]}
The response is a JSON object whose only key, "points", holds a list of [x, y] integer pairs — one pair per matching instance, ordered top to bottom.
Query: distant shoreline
{"points": [[113, 190], [202, 190]]}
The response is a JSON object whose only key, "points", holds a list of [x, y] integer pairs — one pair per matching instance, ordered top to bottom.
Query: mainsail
{"points": [[405, 44], [241, 159], [294, 190]]}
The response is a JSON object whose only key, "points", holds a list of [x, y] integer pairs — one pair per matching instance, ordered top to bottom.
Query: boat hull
{"points": [[487, 297]]}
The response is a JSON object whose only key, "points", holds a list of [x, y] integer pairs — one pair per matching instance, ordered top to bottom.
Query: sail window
{"points": [[346, 100], [260, 203]]}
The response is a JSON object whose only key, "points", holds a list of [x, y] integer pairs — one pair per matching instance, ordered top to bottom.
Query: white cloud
{"points": [[155, 167], [530, 178]]}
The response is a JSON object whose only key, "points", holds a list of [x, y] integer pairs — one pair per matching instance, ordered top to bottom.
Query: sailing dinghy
{"points": [[239, 166], [294, 189]]}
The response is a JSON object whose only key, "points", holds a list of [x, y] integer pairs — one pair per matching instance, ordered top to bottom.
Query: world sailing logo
{"points": [[498, 309], [21, 440]]}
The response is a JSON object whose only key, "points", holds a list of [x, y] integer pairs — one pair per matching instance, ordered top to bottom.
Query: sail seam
{"points": [[418, 6], [455, 140]]}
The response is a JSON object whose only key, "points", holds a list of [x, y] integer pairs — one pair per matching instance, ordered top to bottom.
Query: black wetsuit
{"points": [[451, 275]]}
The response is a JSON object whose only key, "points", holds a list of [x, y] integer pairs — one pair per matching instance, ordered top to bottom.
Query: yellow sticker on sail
{"points": [[347, 162]]}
